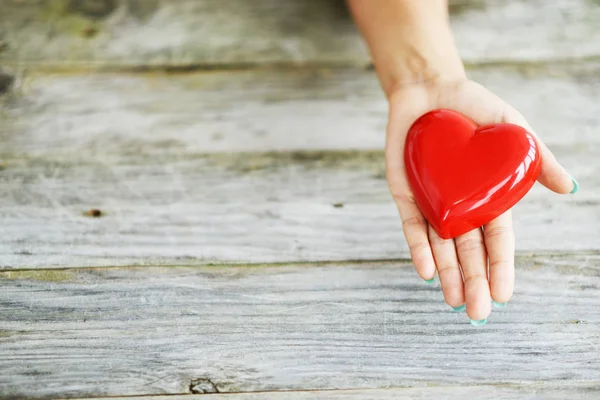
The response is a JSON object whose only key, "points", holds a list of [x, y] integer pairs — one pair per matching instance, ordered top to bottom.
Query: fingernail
{"points": [[575, 186], [429, 281], [498, 305], [460, 308], [478, 323]]}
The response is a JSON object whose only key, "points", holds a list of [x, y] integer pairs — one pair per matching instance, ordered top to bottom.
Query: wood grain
{"points": [[184, 33], [128, 331]]}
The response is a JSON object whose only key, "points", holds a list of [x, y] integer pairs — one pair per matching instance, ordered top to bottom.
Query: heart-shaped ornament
{"points": [[463, 176]]}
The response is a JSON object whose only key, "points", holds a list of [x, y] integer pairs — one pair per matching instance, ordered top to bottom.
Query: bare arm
{"points": [[410, 41]]}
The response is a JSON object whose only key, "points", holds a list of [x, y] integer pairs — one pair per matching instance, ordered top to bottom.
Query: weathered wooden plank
{"points": [[62, 33], [112, 115], [137, 149], [247, 207], [126, 331], [545, 391]]}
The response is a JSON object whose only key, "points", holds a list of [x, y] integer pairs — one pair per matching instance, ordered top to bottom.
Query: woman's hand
{"points": [[420, 70], [461, 263]]}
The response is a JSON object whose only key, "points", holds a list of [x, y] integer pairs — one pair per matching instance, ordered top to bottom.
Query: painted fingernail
{"points": [[575, 186], [429, 281], [498, 305], [460, 308], [478, 323]]}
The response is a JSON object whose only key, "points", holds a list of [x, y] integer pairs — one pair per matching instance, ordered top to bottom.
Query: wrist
{"points": [[419, 64]]}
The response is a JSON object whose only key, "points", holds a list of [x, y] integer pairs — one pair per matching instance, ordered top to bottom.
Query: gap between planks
{"points": [[277, 66], [520, 258]]}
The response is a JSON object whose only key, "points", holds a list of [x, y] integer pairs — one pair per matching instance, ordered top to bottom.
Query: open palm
{"points": [[477, 267]]}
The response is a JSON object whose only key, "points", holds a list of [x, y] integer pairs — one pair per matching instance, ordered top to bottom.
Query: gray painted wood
{"points": [[125, 33], [277, 207], [127, 331], [545, 391]]}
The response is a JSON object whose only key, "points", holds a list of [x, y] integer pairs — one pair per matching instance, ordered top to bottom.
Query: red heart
{"points": [[464, 176]]}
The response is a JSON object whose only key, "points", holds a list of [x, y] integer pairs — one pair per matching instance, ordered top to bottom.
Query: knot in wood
{"points": [[203, 385]]}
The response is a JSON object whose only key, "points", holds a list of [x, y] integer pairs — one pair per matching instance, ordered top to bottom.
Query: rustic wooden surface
{"points": [[183, 33], [254, 137], [125, 331]]}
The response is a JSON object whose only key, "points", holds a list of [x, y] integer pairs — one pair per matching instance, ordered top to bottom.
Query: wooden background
{"points": [[192, 199]]}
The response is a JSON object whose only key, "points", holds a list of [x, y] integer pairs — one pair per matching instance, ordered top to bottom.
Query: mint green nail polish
{"points": [[575, 186], [429, 281], [498, 305], [460, 308], [478, 323]]}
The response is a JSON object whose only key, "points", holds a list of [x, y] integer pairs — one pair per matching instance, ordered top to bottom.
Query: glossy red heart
{"points": [[463, 176]]}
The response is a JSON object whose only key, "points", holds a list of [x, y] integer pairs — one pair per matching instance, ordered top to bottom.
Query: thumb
{"points": [[553, 175]]}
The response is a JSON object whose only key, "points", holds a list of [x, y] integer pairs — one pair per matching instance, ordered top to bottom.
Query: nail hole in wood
{"points": [[89, 32], [93, 213]]}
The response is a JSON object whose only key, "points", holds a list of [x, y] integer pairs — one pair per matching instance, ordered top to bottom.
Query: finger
{"points": [[402, 114], [553, 175], [414, 226], [500, 245], [446, 260], [473, 260]]}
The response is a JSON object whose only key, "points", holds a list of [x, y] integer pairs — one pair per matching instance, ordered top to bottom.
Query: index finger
{"points": [[404, 110], [414, 225], [415, 230]]}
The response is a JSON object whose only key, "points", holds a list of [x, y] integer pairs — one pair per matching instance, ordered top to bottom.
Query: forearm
{"points": [[410, 40]]}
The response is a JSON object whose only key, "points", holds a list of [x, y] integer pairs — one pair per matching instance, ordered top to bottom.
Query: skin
{"points": [[419, 69]]}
